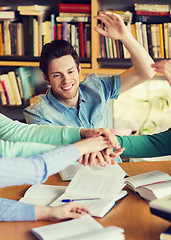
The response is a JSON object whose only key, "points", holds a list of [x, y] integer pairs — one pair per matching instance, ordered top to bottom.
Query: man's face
{"points": [[64, 79]]}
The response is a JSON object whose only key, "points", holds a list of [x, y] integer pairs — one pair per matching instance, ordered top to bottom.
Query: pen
{"points": [[82, 199]]}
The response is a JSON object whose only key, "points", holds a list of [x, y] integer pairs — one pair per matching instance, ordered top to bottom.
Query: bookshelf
{"points": [[88, 65]]}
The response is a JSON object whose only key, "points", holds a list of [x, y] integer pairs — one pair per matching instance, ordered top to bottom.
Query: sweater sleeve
{"points": [[15, 131], [139, 146], [23, 149], [36, 169], [11, 210]]}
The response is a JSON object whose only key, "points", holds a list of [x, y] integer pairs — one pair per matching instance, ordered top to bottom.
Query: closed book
{"points": [[35, 7], [74, 7], [152, 7], [31, 13], [150, 13], [66, 14], [4, 15], [152, 18], [73, 19], [138, 27], [64, 30], [87, 31], [13, 35], [26, 35], [30, 35], [7, 38], [35, 38], [149, 38], [1, 39], [20, 39], [81, 39], [166, 39], [154, 40], [161, 40], [117, 48], [27, 81], [14, 86], [8, 87], [2, 94], [162, 207], [166, 235]]}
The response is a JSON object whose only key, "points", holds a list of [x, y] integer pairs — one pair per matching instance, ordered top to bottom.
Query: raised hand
{"points": [[116, 29], [164, 67]]}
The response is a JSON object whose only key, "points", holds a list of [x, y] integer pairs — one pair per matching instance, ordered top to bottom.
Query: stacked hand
{"points": [[102, 156]]}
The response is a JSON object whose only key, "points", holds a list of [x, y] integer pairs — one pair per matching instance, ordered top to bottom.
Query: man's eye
{"points": [[70, 72], [56, 76]]}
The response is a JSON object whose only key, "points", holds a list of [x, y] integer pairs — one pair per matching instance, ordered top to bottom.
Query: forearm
{"points": [[141, 62], [15, 131], [155, 145], [23, 149], [36, 169], [16, 211]]}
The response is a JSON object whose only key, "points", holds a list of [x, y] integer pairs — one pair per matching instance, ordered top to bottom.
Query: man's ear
{"points": [[79, 69], [45, 78]]}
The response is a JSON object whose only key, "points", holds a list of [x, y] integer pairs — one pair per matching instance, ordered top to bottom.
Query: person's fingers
{"points": [[117, 152], [85, 159], [92, 159], [101, 159]]}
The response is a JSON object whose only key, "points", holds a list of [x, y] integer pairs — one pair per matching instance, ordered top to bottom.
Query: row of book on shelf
{"points": [[26, 32], [155, 38], [17, 87]]}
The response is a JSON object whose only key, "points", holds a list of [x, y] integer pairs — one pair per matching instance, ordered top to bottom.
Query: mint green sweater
{"points": [[19, 139], [155, 145]]}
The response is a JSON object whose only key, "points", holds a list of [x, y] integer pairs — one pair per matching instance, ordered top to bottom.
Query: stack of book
{"points": [[73, 24], [17, 87]]}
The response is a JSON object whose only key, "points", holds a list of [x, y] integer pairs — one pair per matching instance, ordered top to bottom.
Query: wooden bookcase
{"points": [[93, 65]]}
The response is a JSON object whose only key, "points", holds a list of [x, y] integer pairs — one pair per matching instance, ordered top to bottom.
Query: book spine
{"points": [[77, 8], [152, 13], [151, 18], [73, 19], [148, 26], [26, 37], [81, 39], [3, 93]]}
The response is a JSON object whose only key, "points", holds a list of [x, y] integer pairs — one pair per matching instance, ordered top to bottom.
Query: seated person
{"points": [[85, 104]]}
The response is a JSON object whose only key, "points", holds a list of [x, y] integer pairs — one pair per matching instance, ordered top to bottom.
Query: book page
{"points": [[115, 168], [69, 172], [147, 178], [92, 183], [160, 189], [42, 194], [163, 204], [68, 229], [107, 233]]}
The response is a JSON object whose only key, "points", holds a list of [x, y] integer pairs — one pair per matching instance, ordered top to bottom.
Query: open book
{"points": [[68, 173], [88, 183], [151, 185], [42, 195], [162, 207], [85, 228]]}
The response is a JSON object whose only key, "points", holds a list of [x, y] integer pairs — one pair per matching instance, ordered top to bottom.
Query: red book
{"points": [[74, 7], [152, 13], [81, 36]]}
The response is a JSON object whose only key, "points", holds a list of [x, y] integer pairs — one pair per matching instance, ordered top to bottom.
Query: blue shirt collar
{"points": [[60, 106]]}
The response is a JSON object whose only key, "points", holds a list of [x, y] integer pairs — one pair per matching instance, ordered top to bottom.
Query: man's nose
{"points": [[66, 77]]}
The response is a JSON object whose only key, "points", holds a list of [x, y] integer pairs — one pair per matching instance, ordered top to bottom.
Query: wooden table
{"points": [[131, 213]]}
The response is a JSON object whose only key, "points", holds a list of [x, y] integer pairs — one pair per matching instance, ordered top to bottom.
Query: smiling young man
{"points": [[85, 104]]}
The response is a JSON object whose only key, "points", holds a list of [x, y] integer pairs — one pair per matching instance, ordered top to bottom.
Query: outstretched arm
{"points": [[141, 70]]}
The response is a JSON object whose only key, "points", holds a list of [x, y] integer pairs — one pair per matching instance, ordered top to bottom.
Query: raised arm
{"points": [[141, 69]]}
